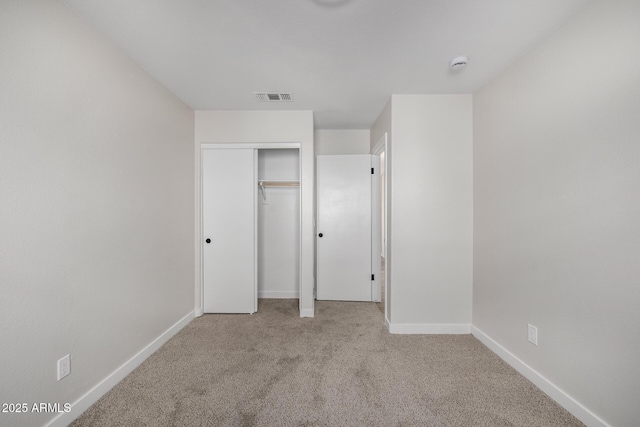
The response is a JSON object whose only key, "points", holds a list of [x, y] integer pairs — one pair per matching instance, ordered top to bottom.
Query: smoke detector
{"points": [[458, 63], [273, 96]]}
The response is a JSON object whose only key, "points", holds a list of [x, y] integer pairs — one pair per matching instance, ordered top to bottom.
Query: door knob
{"points": [[320, 235], [208, 240]]}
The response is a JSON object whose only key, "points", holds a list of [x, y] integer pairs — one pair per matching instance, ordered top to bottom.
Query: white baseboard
{"points": [[279, 294], [198, 312], [307, 312], [429, 328], [553, 391], [92, 396]]}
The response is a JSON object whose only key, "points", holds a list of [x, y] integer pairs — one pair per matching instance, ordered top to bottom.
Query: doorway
{"points": [[380, 233]]}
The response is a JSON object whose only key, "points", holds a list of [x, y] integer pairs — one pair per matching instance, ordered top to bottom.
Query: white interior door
{"points": [[228, 223], [344, 227]]}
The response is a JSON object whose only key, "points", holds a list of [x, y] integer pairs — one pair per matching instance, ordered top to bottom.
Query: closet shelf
{"points": [[278, 183]]}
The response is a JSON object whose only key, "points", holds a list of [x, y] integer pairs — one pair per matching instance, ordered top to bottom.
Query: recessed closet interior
{"points": [[278, 231]]}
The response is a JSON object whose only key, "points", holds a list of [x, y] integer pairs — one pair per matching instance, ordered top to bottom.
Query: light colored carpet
{"points": [[341, 368]]}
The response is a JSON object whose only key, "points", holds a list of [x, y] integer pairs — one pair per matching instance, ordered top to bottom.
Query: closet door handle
{"points": [[320, 235], [208, 240]]}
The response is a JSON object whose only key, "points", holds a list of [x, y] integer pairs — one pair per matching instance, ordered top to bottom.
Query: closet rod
{"points": [[279, 183]]}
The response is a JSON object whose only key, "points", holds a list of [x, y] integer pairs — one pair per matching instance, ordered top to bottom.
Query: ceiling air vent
{"points": [[273, 96]]}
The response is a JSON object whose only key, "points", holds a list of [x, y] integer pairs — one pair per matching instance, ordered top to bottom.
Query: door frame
{"points": [[256, 146], [381, 146], [375, 228]]}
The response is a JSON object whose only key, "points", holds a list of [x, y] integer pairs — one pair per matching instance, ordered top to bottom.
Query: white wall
{"points": [[267, 126], [342, 141], [96, 190], [431, 224], [279, 225], [557, 235]]}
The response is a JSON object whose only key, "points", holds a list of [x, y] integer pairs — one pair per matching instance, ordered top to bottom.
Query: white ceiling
{"points": [[340, 58]]}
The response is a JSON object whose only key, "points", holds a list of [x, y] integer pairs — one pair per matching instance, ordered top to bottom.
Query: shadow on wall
{"points": [[331, 3]]}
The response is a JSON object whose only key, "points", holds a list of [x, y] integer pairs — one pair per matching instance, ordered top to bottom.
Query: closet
{"points": [[250, 226]]}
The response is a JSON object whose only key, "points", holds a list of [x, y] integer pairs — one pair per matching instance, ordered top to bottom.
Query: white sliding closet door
{"points": [[229, 188]]}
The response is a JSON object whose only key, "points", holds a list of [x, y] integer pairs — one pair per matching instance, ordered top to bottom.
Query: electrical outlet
{"points": [[532, 334], [64, 367]]}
